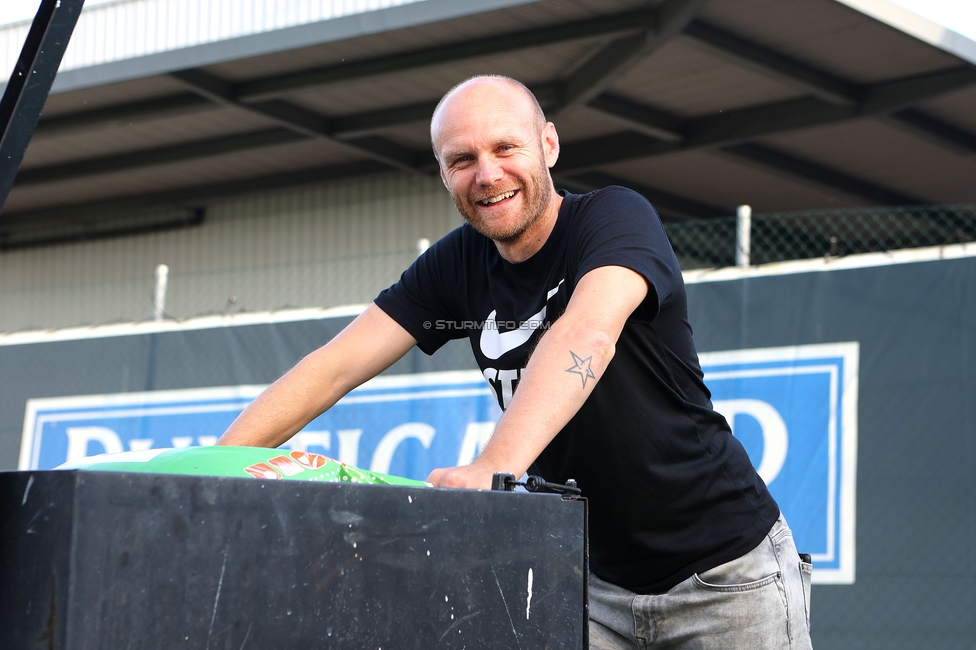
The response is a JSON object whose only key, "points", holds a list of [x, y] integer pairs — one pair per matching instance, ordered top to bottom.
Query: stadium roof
{"points": [[701, 105]]}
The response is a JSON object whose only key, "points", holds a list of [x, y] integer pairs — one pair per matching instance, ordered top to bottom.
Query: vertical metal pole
{"points": [[30, 82], [743, 235], [159, 304]]}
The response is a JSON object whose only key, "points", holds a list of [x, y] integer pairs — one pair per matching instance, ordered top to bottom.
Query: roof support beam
{"points": [[458, 51], [617, 57], [769, 63], [600, 69], [581, 87], [209, 95], [892, 95], [875, 99], [113, 115], [637, 117], [642, 119], [302, 121], [369, 123], [750, 123], [356, 130], [935, 130], [656, 132], [158, 156], [805, 170], [189, 196], [67, 231]]}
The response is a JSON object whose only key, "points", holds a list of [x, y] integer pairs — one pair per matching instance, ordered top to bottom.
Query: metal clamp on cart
{"points": [[504, 482]]}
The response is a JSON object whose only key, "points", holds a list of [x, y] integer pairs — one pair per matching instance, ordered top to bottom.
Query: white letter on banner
{"points": [[476, 436], [79, 437], [775, 437], [305, 439], [348, 443], [349, 446], [383, 455]]}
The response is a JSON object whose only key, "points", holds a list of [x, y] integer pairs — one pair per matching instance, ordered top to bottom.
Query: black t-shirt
{"points": [[670, 491]]}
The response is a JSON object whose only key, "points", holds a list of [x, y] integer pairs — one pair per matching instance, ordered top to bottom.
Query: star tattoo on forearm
{"points": [[581, 367]]}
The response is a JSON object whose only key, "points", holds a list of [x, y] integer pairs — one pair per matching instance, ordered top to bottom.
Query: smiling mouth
{"points": [[498, 197]]}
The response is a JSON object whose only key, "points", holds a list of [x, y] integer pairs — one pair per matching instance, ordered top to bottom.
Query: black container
{"points": [[122, 560]]}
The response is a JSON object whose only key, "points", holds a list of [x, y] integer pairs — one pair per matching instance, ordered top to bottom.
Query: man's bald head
{"points": [[521, 97]]}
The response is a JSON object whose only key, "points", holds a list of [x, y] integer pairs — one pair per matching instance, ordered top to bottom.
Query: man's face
{"points": [[495, 157]]}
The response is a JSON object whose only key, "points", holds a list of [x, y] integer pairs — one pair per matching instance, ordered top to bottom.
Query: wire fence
{"points": [[782, 236], [112, 280]]}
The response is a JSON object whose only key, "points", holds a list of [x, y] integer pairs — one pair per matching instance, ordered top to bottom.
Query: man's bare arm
{"points": [[366, 347], [565, 366]]}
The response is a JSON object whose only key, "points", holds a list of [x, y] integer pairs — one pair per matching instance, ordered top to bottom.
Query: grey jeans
{"points": [[760, 601]]}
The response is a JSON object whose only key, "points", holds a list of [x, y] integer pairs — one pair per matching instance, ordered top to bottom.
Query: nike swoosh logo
{"points": [[494, 343]]}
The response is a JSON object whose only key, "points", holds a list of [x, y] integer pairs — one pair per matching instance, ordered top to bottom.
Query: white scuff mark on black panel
{"points": [[30, 482], [346, 517], [30, 524], [220, 583], [528, 596], [505, 603], [458, 622], [247, 635]]}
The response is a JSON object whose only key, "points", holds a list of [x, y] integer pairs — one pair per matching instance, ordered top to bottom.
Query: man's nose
{"points": [[489, 171]]}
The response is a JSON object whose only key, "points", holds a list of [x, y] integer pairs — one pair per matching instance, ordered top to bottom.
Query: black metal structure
{"points": [[30, 83], [701, 105], [111, 560]]}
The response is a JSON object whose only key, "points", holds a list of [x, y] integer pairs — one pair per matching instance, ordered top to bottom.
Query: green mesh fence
{"points": [[780, 236]]}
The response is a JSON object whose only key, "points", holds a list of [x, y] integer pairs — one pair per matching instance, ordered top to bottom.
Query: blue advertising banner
{"points": [[794, 409], [388, 425]]}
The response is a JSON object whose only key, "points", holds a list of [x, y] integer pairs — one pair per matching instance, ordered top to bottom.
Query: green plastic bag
{"points": [[244, 462]]}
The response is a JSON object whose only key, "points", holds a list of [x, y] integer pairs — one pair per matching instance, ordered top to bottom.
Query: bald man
{"points": [[600, 382]]}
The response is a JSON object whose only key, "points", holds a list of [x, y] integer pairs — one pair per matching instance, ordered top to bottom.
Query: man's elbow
{"points": [[586, 340], [604, 345]]}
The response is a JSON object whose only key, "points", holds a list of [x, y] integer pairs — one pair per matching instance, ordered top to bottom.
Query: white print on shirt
{"points": [[494, 343], [503, 381]]}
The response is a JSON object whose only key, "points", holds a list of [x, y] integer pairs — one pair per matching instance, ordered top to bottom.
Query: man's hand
{"points": [[565, 366], [474, 477]]}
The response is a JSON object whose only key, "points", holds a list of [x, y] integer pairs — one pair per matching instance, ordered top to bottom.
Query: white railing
{"points": [[126, 29]]}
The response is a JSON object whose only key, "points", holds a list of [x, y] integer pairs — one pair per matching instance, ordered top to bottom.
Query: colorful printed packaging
{"points": [[244, 462]]}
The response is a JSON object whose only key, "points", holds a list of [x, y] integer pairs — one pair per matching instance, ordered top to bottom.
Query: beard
{"points": [[535, 194]]}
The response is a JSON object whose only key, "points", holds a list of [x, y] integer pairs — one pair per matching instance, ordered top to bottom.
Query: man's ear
{"points": [[550, 144], [443, 177]]}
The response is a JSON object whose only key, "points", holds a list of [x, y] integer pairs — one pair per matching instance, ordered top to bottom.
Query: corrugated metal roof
{"points": [[128, 29], [701, 105]]}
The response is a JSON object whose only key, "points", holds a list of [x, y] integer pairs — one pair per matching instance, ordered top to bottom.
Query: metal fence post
{"points": [[743, 234], [159, 304]]}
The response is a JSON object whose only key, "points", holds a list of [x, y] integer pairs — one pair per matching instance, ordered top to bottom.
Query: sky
{"points": [[957, 15]]}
